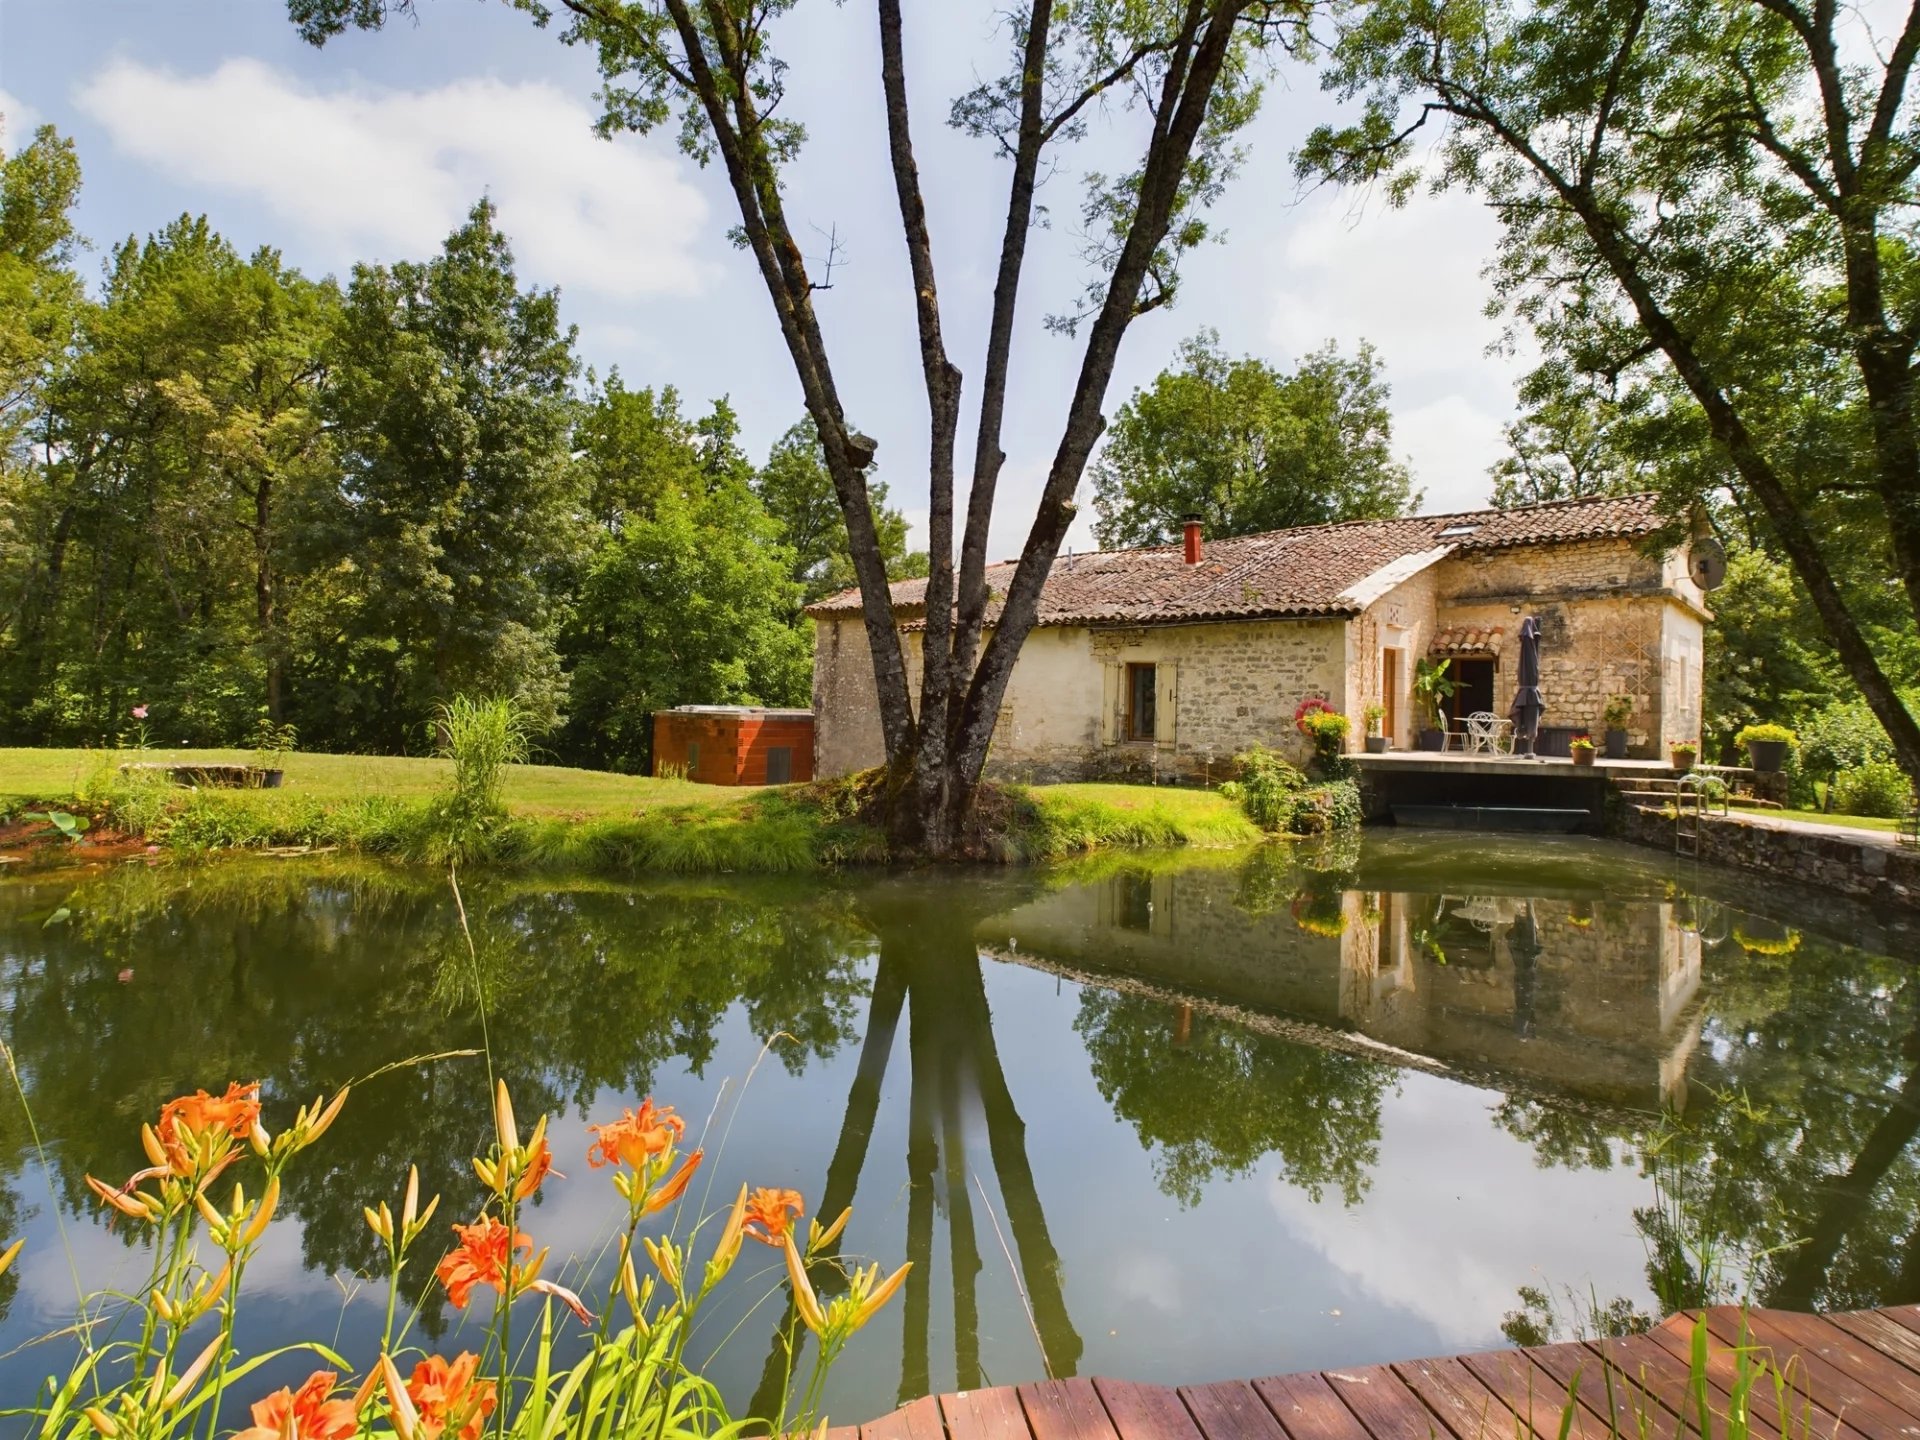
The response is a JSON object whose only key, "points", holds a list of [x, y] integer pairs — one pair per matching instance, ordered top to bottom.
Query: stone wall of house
{"points": [[1402, 620], [1613, 621], [1231, 684]]}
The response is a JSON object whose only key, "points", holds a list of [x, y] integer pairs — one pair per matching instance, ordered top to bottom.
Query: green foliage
{"points": [[1565, 446], [1248, 448], [798, 493], [690, 603], [1433, 685], [1617, 712], [1327, 729], [1765, 733], [1844, 735], [482, 737], [271, 743], [1877, 787], [1266, 788], [1326, 809], [72, 828]]}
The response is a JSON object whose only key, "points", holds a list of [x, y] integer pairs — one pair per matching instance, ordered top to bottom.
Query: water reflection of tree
{"points": [[929, 967], [308, 981], [1211, 1098], [1804, 1167]]}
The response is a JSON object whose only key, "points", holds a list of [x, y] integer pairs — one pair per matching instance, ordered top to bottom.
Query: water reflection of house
{"points": [[1593, 1001]]}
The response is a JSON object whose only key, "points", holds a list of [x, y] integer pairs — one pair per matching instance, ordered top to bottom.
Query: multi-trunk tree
{"points": [[1192, 71], [1709, 199]]}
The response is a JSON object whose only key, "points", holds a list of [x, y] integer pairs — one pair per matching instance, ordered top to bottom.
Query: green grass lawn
{"points": [[533, 791], [1820, 817], [583, 819]]}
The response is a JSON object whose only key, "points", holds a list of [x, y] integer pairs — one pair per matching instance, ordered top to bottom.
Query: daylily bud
{"points": [[326, 1118], [504, 1128], [261, 1141], [156, 1152], [489, 1173], [675, 1186], [410, 1206], [262, 1214], [216, 1222], [379, 1222], [412, 1232], [731, 1234], [818, 1239], [10, 1254], [664, 1260], [630, 1286], [565, 1297], [804, 1300], [871, 1305], [162, 1307], [190, 1376], [97, 1418], [406, 1420]]}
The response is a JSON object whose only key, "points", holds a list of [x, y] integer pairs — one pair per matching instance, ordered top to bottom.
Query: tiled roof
{"points": [[1283, 573], [1466, 640]]}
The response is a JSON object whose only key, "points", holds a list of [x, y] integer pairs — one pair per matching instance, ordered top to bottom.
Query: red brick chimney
{"points": [[1193, 539]]}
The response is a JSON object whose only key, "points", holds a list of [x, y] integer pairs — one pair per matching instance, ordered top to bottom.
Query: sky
{"points": [[374, 147]]}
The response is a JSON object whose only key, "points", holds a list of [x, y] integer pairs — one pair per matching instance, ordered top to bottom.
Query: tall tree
{"points": [[1192, 67], [1723, 189], [451, 402], [1564, 446], [1248, 447], [797, 490]]}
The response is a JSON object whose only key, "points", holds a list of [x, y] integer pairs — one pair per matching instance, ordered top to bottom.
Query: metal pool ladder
{"points": [[1689, 806]]}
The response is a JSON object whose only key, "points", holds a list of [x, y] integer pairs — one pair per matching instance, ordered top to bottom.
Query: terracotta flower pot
{"points": [[1582, 755], [1683, 759]]}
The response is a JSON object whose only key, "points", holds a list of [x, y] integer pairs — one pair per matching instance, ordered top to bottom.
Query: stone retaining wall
{"points": [[1868, 869]]}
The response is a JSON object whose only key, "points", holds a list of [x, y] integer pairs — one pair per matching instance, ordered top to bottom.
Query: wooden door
{"points": [[1390, 694]]}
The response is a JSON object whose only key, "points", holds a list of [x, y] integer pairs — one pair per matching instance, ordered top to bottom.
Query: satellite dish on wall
{"points": [[1706, 562]]}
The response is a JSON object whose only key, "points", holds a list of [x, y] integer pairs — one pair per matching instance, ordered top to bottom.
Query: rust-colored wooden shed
{"points": [[733, 744]]}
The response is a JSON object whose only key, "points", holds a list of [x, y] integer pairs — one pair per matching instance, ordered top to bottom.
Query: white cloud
{"points": [[17, 119], [390, 172], [1409, 281], [1450, 442]]}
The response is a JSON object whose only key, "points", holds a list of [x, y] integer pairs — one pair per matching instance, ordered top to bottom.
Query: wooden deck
{"points": [[1851, 1376]]}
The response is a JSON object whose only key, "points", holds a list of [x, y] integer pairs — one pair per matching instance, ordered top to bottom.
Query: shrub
{"points": [[1618, 711], [1765, 735], [482, 738], [1878, 787], [1265, 789], [1324, 809]]}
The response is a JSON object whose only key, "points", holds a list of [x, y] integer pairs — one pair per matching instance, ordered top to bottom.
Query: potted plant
{"points": [[1432, 685], [1614, 718], [1326, 728], [1376, 738], [271, 743], [1580, 747], [1767, 747], [1683, 753]]}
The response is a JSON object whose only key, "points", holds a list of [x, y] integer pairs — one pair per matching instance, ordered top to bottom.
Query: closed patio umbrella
{"points": [[1528, 706]]}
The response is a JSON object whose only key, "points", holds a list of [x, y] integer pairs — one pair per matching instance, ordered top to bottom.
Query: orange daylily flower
{"points": [[232, 1115], [637, 1136], [539, 1166], [768, 1217], [484, 1256], [450, 1400], [304, 1414]]}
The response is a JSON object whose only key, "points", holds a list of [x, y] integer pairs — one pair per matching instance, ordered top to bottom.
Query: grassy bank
{"points": [[583, 820]]}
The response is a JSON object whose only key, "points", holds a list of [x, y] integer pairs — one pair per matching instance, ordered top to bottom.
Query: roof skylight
{"points": [[1454, 532]]}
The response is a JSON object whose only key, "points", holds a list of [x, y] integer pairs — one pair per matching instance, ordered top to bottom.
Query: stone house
{"points": [[1167, 661]]}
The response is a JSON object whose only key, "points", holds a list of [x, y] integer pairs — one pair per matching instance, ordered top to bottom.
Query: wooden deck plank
{"points": [[1907, 1316], [1888, 1336], [1842, 1349], [1564, 1364], [1723, 1366], [1656, 1374], [1838, 1390], [1455, 1394], [1534, 1396], [1381, 1402], [1307, 1408], [1065, 1410], [1230, 1411], [1146, 1412], [991, 1414], [918, 1421], [844, 1432]]}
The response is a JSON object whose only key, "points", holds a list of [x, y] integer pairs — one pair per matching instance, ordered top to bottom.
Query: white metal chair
{"points": [[1487, 733]]}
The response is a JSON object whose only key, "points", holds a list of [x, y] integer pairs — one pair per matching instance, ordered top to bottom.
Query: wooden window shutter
{"points": [[1113, 677], [1165, 694]]}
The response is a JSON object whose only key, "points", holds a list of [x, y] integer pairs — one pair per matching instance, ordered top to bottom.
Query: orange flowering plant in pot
{"points": [[634, 1379]]}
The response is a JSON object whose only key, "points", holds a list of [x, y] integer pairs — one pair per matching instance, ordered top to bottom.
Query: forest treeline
{"points": [[234, 492]]}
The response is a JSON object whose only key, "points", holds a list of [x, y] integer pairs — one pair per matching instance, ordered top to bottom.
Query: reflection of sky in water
{"points": [[1254, 1277]]}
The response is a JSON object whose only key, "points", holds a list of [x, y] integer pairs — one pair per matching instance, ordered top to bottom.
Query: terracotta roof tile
{"points": [[1283, 573], [1466, 640]]}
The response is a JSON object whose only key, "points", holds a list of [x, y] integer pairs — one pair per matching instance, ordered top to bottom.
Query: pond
{"points": [[1172, 1118]]}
